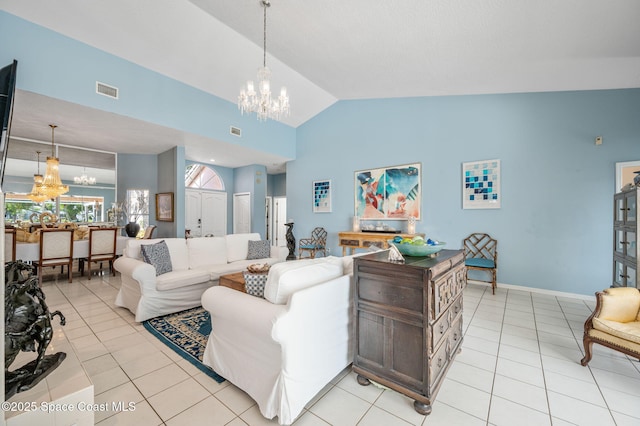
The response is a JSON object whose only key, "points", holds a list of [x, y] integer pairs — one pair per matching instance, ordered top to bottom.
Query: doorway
{"points": [[206, 213], [242, 213], [279, 219]]}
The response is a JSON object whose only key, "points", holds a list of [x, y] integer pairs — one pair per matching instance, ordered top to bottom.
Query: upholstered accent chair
{"points": [[317, 243], [102, 248], [56, 249], [481, 254], [615, 322]]}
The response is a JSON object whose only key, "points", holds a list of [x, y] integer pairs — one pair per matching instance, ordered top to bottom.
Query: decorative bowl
{"points": [[418, 250], [258, 268]]}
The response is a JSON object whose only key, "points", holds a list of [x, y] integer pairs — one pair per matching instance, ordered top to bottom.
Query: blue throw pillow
{"points": [[259, 250], [157, 255]]}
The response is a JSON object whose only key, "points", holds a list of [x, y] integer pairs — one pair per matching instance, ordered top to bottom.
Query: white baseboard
{"points": [[537, 290]]}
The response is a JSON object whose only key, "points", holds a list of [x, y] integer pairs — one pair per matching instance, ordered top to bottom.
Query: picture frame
{"points": [[481, 185], [388, 193], [322, 196], [164, 207]]}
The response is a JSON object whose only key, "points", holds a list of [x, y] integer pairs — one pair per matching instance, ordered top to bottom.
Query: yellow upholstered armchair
{"points": [[615, 323]]}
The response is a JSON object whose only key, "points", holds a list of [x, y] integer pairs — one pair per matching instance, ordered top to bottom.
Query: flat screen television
{"points": [[7, 95]]}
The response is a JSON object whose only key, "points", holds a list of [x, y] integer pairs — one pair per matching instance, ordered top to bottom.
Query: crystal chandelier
{"points": [[262, 103], [84, 179], [52, 185], [36, 194]]}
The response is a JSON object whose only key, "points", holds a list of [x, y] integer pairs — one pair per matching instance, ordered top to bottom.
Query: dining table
{"points": [[29, 252]]}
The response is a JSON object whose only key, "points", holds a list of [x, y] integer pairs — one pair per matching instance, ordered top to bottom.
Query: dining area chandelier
{"points": [[261, 101], [84, 179], [52, 185], [36, 195]]}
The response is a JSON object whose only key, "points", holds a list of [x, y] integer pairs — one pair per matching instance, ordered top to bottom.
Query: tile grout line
{"points": [[110, 352], [495, 370], [544, 378], [604, 399]]}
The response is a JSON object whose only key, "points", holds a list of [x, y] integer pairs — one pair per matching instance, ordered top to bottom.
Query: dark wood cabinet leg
{"points": [[363, 381], [422, 408]]}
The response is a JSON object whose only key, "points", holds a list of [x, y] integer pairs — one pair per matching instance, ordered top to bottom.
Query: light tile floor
{"points": [[519, 365]]}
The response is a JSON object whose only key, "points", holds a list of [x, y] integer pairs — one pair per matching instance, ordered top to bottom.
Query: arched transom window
{"points": [[200, 176]]}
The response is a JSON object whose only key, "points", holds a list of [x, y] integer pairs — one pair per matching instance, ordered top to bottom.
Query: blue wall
{"points": [[57, 66], [171, 166], [253, 179], [277, 185], [555, 225]]}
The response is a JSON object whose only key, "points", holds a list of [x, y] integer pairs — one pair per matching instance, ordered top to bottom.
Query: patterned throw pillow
{"points": [[258, 250], [157, 255], [254, 283]]}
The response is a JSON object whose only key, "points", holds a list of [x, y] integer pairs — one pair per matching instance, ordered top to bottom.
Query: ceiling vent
{"points": [[106, 90], [236, 131]]}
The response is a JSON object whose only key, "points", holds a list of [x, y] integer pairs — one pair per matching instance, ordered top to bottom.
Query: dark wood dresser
{"points": [[408, 321]]}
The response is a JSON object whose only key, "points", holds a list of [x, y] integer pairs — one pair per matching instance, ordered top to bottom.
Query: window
{"points": [[199, 176], [137, 207], [73, 208]]}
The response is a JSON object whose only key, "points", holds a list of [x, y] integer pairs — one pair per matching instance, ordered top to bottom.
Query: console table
{"points": [[353, 240], [408, 321]]}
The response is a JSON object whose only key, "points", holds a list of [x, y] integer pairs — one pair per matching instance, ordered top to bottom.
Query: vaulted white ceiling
{"points": [[329, 50]]}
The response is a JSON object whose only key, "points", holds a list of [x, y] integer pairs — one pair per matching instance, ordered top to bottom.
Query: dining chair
{"points": [[148, 233], [317, 243], [9, 245], [102, 248], [56, 249], [481, 254]]}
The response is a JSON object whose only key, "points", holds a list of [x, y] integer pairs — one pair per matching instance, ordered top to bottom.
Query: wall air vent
{"points": [[106, 90], [236, 131]]}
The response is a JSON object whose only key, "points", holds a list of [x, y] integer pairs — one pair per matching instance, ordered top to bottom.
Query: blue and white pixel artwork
{"points": [[481, 185], [322, 196]]}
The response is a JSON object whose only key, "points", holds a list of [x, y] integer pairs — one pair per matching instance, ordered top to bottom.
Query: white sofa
{"points": [[197, 264], [283, 349]]}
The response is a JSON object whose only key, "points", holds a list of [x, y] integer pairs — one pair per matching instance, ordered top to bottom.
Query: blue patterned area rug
{"points": [[186, 333]]}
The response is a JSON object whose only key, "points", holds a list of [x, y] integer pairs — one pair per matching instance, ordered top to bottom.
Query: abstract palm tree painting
{"points": [[388, 192]]}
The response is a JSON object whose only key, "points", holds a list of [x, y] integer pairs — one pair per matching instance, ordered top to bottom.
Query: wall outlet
{"points": [[598, 140]]}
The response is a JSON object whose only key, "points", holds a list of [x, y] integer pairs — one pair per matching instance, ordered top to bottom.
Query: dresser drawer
{"points": [[446, 289], [401, 292], [440, 328], [455, 336], [438, 363]]}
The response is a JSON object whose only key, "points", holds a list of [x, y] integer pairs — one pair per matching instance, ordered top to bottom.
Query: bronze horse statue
{"points": [[27, 324]]}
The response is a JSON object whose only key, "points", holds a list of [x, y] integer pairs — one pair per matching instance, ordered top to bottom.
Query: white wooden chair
{"points": [[148, 233], [9, 244], [102, 248], [56, 249]]}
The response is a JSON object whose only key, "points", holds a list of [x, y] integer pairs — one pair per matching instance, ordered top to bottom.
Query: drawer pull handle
{"points": [[455, 337], [439, 362]]}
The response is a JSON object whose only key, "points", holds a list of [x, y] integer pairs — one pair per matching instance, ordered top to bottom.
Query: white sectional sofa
{"points": [[197, 264], [283, 349]]}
